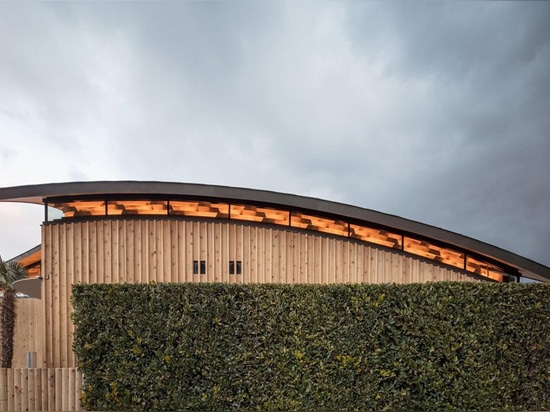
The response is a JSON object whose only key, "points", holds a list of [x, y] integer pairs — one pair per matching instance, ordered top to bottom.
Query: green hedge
{"points": [[340, 347]]}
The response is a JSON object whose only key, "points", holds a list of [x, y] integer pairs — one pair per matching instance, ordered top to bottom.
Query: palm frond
{"points": [[10, 271]]}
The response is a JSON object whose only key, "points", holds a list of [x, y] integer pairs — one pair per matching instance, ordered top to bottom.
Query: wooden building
{"points": [[127, 231]]}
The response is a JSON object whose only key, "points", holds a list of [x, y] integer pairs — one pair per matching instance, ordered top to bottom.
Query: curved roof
{"points": [[37, 193]]}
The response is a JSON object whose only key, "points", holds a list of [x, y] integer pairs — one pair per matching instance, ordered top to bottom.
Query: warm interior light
{"points": [[136, 207], [81, 208], [199, 209], [259, 214], [281, 217], [319, 224], [376, 236], [440, 254], [484, 269]]}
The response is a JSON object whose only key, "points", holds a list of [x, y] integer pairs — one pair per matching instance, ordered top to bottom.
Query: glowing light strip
{"points": [[295, 219]]}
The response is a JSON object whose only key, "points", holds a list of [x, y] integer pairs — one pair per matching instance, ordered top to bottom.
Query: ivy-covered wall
{"points": [[302, 347]]}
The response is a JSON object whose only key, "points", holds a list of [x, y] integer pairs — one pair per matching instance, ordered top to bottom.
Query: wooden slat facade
{"points": [[163, 250], [29, 331], [54, 389]]}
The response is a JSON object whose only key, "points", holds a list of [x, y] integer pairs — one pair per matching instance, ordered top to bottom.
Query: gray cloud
{"points": [[432, 111]]}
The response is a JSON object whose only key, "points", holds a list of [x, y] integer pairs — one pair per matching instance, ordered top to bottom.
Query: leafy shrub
{"points": [[302, 347]]}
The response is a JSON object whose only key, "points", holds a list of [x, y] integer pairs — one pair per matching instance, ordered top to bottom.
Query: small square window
{"points": [[199, 267], [235, 267]]}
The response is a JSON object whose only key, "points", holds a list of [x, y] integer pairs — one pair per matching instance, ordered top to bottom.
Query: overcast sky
{"points": [[434, 111]]}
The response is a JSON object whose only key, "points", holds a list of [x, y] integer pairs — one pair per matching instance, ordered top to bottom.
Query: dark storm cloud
{"points": [[434, 111], [486, 146]]}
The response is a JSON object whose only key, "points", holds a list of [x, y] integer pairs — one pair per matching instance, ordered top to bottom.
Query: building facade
{"points": [[127, 232]]}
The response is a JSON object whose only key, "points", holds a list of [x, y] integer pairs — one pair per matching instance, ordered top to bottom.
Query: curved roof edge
{"points": [[36, 194]]}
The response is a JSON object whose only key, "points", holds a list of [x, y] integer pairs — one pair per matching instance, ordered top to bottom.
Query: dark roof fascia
{"points": [[37, 193]]}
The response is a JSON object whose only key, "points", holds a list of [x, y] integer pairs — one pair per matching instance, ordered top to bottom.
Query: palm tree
{"points": [[10, 271]]}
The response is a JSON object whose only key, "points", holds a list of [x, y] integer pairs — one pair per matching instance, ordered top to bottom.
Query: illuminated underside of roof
{"points": [[83, 200]]}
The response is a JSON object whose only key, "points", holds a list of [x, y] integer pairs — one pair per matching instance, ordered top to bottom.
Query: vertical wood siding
{"points": [[163, 250], [29, 331], [55, 389]]}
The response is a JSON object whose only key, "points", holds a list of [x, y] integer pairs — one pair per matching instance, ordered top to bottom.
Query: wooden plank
{"points": [[173, 225], [286, 241], [182, 250], [202, 250], [118, 251], [84, 252], [93, 252], [108, 252], [142, 252], [222, 252], [159, 253], [239, 253], [165, 254], [209, 254], [274, 254], [246, 255], [252, 255], [294, 255], [75, 256], [267, 256], [314, 256], [357, 257], [135, 258], [301, 259], [382, 259], [47, 260], [130, 261], [326, 261], [344, 261], [188, 264], [367, 265], [373, 265], [100, 266], [151, 267], [395, 267], [406, 268], [119, 269], [220, 271], [344, 272], [332, 273], [56, 281], [46, 290], [65, 337], [57, 383], [4, 389], [24, 389], [34, 389], [70, 389], [17, 390], [44, 390], [11, 393]]}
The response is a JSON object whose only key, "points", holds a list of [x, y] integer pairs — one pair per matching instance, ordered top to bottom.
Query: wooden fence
{"points": [[29, 333], [53, 389]]}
